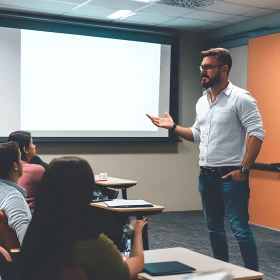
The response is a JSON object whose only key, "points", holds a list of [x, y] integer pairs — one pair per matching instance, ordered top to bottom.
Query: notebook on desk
{"points": [[101, 200], [126, 203], [167, 268]]}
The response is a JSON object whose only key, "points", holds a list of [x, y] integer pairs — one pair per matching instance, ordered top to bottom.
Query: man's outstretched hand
{"points": [[166, 122]]}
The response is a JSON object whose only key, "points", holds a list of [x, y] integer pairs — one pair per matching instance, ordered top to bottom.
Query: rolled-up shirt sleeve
{"points": [[250, 116], [196, 131], [18, 214]]}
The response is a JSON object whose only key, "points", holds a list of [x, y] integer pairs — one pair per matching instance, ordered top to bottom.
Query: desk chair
{"points": [[8, 237]]}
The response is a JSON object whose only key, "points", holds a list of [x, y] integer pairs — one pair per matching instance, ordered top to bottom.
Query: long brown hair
{"points": [[61, 218]]}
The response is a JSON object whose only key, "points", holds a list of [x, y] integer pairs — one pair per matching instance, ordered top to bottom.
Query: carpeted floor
{"points": [[188, 229]]}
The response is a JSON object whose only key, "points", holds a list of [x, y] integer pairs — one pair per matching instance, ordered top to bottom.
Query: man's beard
{"points": [[212, 81]]}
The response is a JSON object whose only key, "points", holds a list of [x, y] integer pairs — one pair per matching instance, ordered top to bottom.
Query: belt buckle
{"points": [[209, 171]]}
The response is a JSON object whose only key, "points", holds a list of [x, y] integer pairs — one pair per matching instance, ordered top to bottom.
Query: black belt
{"points": [[221, 171]]}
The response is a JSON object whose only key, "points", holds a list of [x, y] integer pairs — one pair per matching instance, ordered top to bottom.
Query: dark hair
{"points": [[223, 55], [23, 139], [9, 153], [61, 218]]}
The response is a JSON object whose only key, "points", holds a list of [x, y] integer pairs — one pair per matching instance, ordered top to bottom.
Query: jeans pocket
{"points": [[235, 187]]}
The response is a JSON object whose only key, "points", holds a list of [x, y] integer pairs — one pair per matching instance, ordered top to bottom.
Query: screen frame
{"points": [[105, 30]]}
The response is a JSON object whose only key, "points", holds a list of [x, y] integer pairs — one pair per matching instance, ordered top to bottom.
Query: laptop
{"points": [[167, 268]]}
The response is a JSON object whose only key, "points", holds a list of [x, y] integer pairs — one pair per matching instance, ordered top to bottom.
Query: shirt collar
{"points": [[226, 91], [19, 188]]}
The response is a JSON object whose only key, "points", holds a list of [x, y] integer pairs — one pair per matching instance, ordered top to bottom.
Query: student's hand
{"points": [[162, 122], [236, 175], [139, 224]]}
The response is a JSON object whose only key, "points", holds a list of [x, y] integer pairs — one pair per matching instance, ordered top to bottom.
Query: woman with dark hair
{"points": [[32, 173], [63, 231]]}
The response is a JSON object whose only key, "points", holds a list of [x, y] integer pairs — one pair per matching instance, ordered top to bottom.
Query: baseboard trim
{"points": [[265, 227]]}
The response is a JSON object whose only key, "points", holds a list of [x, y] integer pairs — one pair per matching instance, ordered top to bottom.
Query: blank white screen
{"points": [[81, 86]]}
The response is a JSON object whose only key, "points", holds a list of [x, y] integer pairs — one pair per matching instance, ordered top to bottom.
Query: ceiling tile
{"points": [[78, 2], [255, 3], [118, 4], [57, 7], [228, 8], [159, 9], [29, 10], [91, 11], [260, 12], [208, 16], [84, 17], [147, 18], [236, 19], [184, 22], [211, 26]]}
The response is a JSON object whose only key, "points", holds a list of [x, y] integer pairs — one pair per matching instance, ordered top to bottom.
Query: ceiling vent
{"points": [[186, 3]]}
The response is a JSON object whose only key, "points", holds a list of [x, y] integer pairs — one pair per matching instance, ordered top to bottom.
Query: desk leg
{"points": [[124, 193], [145, 237]]}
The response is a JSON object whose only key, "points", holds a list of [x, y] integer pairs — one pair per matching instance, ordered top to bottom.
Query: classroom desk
{"points": [[116, 183], [114, 220], [201, 262]]}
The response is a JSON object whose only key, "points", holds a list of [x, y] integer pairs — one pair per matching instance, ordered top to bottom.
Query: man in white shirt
{"points": [[224, 115], [12, 196]]}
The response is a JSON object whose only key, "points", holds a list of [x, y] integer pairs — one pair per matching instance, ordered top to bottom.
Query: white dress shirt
{"points": [[220, 127]]}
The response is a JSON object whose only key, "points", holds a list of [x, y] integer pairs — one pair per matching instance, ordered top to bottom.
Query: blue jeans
{"points": [[231, 197]]}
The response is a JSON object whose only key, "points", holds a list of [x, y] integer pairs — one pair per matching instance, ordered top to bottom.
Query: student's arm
{"points": [[18, 213], [136, 258]]}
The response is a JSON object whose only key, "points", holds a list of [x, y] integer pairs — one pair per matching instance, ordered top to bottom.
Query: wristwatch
{"points": [[173, 127], [244, 170]]}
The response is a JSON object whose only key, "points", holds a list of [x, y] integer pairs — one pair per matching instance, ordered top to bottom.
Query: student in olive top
{"points": [[63, 231]]}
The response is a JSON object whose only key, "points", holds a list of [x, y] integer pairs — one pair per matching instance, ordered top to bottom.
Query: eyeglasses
{"points": [[208, 67]]}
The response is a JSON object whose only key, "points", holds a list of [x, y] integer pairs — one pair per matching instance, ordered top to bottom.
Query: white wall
{"points": [[239, 72], [166, 173]]}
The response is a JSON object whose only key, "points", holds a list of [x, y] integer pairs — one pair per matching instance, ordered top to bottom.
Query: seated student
{"points": [[32, 173], [12, 196], [64, 232]]}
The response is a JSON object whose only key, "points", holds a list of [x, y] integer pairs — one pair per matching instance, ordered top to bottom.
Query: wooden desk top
{"points": [[114, 182], [123, 210], [201, 262]]}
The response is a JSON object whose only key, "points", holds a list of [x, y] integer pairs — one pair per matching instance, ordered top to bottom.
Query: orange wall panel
{"points": [[264, 85]]}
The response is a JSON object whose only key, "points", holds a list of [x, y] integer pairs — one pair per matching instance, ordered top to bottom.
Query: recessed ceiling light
{"points": [[119, 14], [129, 15]]}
